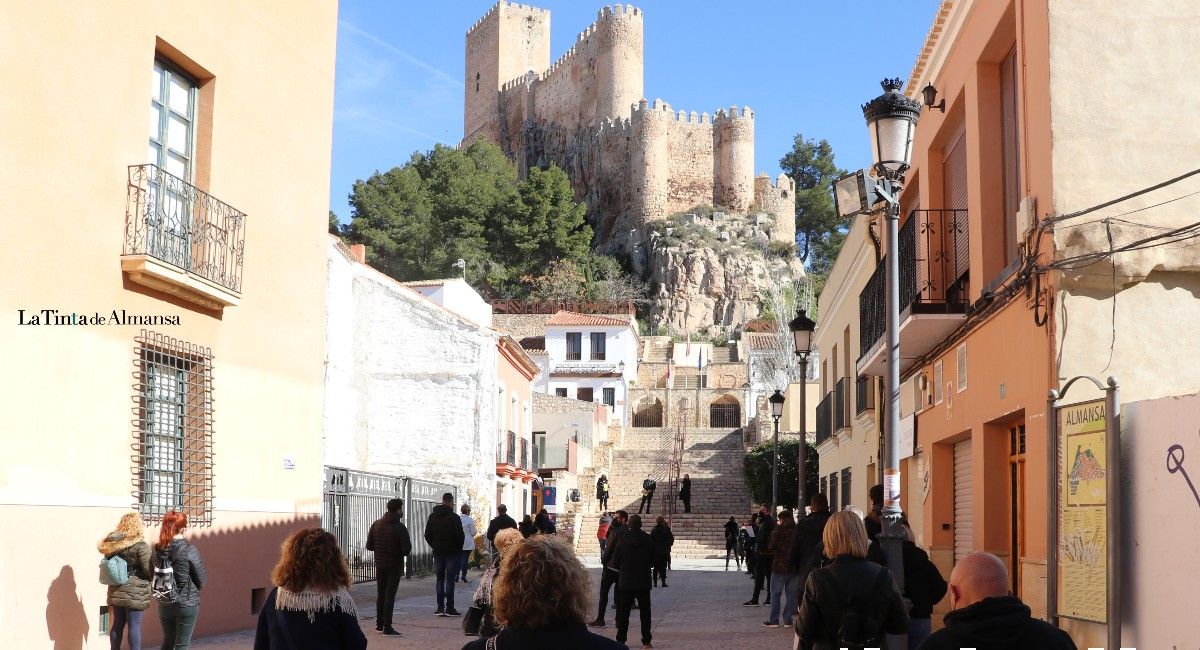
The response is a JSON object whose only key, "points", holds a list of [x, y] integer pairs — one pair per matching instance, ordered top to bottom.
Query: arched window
{"points": [[648, 413], [724, 413]]}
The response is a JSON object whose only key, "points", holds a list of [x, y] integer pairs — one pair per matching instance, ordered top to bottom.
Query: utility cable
{"points": [[1126, 197]]}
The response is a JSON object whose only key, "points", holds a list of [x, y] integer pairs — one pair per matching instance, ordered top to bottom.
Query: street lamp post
{"points": [[891, 119], [802, 330], [776, 401]]}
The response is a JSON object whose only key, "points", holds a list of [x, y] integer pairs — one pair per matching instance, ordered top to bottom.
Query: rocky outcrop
{"points": [[710, 272]]}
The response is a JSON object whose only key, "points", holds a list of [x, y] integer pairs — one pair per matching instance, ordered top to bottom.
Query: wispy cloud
{"points": [[435, 71], [355, 113]]}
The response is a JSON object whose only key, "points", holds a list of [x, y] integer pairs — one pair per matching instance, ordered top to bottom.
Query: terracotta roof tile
{"points": [[570, 318], [762, 341]]}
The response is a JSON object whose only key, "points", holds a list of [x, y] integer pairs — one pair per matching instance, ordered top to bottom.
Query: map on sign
{"points": [[1086, 478]]}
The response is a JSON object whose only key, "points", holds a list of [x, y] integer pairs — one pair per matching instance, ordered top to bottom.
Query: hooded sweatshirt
{"points": [[134, 594], [997, 624]]}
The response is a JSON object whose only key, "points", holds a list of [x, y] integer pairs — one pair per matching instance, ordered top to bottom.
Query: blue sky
{"points": [[804, 66]]}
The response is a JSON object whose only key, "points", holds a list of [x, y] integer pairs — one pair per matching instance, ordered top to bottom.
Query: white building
{"points": [[590, 357], [410, 385]]}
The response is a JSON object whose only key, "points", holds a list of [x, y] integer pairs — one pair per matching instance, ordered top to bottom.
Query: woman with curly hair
{"points": [[541, 598], [128, 601], [310, 607]]}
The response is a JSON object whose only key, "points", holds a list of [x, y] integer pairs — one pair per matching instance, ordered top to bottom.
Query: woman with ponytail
{"points": [[179, 576]]}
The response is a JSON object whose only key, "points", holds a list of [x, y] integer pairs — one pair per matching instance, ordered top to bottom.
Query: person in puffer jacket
{"points": [[127, 602], [178, 618]]}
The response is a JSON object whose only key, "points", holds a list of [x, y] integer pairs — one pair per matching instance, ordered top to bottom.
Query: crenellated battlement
{"points": [[510, 5], [603, 18], [524, 80], [733, 114]]}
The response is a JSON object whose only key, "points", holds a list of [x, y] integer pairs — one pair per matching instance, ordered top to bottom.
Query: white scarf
{"points": [[312, 602]]}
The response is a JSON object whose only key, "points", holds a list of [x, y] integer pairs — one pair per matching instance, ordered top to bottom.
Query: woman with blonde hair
{"points": [[504, 540], [541, 598], [127, 601], [850, 602], [310, 607]]}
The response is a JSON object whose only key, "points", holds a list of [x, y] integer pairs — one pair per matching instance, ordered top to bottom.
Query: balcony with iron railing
{"points": [[181, 240], [934, 265], [841, 404], [825, 419]]}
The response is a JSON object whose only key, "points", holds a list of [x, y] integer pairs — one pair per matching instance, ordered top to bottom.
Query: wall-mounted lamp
{"points": [[930, 94]]}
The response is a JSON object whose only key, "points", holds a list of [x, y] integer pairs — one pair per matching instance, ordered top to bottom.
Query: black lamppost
{"points": [[891, 120], [802, 330], [776, 401]]}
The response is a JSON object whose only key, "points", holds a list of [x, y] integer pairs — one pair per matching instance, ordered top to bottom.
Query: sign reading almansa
{"points": [[115, 317]]}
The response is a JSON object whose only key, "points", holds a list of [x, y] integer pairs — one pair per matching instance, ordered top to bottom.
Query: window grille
{"points": [[574, 346], [598, 346], [610, 397], [724, 414], [173, 458]]}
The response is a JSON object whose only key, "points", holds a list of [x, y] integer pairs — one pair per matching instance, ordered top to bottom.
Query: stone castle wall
{"points": [[632, 161]]}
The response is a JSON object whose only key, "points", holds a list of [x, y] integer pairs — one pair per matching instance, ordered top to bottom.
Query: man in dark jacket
{"points": [[649, 485], [685, 493], [874, 519], [497, 524], [444, 533], [388, 538], [806, 553], [632, 558], [763, 559], [608, 574], [783, 574], [986, 616]]}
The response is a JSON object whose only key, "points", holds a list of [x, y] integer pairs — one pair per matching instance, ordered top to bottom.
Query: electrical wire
{"points": [[1120, 199]]}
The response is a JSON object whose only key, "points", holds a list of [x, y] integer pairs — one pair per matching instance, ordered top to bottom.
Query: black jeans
{"points": [[646, 503], [603, 504], [687, 504], [659, 570], [762, 572], [608, 579], [387, 581], [625, 605], [177, 626]]}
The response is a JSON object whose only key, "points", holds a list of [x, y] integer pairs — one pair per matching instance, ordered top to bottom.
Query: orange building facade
{"points": [[167, 173], [975, 362]]}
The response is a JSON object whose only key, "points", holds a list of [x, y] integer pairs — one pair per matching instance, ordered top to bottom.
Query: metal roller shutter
{"points": [[963, 491]]}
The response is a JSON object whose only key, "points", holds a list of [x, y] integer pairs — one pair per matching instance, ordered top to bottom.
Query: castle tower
{"points": [[508, 42], [618, 65], [733, 158], [650, 159]]}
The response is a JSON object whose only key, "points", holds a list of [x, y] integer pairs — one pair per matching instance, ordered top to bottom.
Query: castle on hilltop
{"points": [[632, 161]]}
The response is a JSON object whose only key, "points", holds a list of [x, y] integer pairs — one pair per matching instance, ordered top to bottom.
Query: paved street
{"points": [[701, 609]]}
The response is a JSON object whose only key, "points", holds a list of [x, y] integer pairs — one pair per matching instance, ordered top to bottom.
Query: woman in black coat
{"points": [[527, 527], [662, 540], [849, 581], [541, 597], [310, 607]]}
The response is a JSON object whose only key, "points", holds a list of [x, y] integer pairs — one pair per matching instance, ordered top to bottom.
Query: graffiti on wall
{"points": [[1175, 455]]}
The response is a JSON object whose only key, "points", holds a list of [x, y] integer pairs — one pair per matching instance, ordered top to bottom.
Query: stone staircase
{"points": [[713, 458]]}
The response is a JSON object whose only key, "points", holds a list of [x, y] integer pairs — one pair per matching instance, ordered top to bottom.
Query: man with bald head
{"points": [[986, 615]]}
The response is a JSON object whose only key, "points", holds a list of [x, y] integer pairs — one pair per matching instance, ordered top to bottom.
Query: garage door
{"points": [[963, 489]]}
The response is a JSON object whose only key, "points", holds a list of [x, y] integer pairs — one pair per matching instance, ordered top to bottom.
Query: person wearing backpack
{"points": [[126, 570], [179, 576], [923, 584], [851, 602]]}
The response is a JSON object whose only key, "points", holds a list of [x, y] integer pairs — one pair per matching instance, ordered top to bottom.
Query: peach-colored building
{"points": [[166, 168], [1012, 283], [516, 456]]}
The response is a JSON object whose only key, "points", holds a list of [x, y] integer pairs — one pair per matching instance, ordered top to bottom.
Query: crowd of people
{"points": [[824, 575], [826, 578]]}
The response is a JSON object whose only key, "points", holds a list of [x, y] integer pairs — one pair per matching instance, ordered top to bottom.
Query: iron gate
{"points": [[422, 497], [353, 501]]}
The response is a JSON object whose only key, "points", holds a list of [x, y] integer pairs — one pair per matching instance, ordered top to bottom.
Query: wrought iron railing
{"points": [[172, 221], [934, 264], [864, 394], [841, 404], [825, 418], [511, 449], [523, 457]]}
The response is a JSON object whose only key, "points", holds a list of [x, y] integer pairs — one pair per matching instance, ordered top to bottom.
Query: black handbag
{"points": [[473, 619]]}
